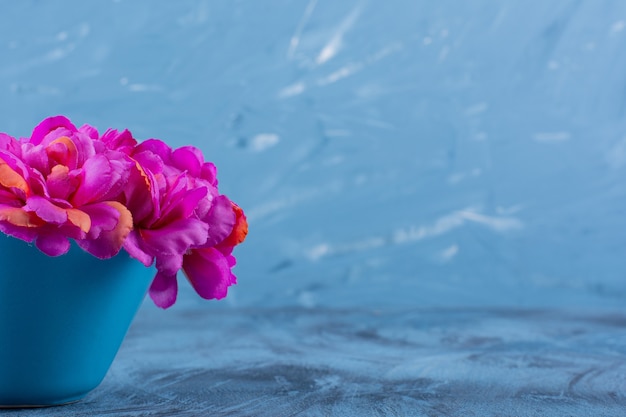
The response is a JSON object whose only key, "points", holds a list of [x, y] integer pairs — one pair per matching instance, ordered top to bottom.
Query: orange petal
{"points": [[66, 156], [59, 171], [143, 174], [10, 178], [18, 217], [80, 219], [124, 223], [240, 230]]}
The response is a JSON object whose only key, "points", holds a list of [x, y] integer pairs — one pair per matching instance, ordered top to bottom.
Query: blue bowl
{"points": [[62, 320]]}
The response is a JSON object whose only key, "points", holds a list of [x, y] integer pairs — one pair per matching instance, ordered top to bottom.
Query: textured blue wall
{"points": [[402, 153]]}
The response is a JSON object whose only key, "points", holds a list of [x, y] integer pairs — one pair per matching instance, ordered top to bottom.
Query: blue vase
{"points": [[62, 320]]}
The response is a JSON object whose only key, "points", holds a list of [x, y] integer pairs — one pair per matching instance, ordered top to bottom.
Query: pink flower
{"points": [[60, 183], [106, 192], [187, 217], [208, 269]]}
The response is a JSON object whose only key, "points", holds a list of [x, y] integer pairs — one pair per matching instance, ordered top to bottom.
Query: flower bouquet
{"points": [[75, 194]]}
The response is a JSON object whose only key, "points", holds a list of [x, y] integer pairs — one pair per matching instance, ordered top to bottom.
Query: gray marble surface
{"points": [[333, 362]]}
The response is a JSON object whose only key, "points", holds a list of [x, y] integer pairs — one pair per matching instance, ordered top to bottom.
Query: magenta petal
{"points": [[48, 125], [89, 130], [121, 141], [9, 143], [155, 146], [85, 147], [62, 152], [35, 157], [188, 158], [16, 164], [152, 165], [120, 169], [209, 173], [95, 181], [59, 183], [141, 195], [8, 198], [205, 204], [181, 205], [45, 210], [103, 217], [221, 220], [27, 234], [175, 238], [108, 241], [52, 244], [133, 246], [101, 248], [232, 261], [169, 264], [209, 273], [163, 290]]}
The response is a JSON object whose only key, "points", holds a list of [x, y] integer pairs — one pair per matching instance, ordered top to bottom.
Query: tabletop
{"points": [[435, 191], [333, 362]]}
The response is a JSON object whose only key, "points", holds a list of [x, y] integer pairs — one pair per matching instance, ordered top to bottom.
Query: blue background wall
{"points": [[388, 154]]}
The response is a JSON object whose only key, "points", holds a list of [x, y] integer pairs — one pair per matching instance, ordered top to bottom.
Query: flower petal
{"points": [[48, 125], [89, 130], [121, 141], [9, 143], [156, 147], [63, 151], [35, 157], [188, 158], [209, 173], [10, 178], [95, 181], [59, 183], [141, 196], [10, 199], [180, 203], [46, 210], [102, 216], [19, 217], [79, 219], [221, 220], [239, 232], [27, 234], [176, 237], [107, 243], [52, 244], [133, 245], [169, 263], [208, 271], [163, 290]]}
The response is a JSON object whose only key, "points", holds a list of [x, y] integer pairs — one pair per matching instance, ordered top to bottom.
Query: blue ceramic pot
{"points": [[62, 320]]}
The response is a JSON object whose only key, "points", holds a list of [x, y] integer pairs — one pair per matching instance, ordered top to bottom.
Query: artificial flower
{"points": [[109, 191]]}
